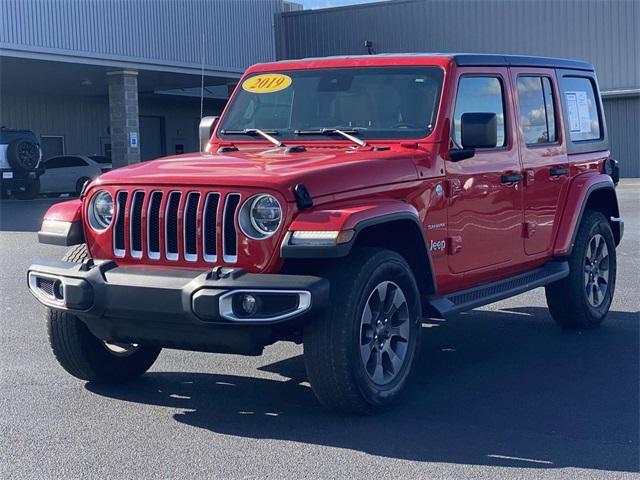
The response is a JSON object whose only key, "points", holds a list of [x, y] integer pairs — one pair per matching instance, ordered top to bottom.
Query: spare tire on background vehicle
{"points": [[23, 154]]}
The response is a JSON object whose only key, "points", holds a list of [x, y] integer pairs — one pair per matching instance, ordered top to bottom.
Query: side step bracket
{"points": [[455, 302]]}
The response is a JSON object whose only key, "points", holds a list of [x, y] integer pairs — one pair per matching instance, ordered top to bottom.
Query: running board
{"points": [[455, 302]]}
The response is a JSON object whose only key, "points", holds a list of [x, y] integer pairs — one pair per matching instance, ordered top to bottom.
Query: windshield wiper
{"points": [[332, 131], [266, 134]]}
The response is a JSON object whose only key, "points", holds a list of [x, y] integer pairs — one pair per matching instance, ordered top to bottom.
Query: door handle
{"points": [[558, 171], [511, 178]]}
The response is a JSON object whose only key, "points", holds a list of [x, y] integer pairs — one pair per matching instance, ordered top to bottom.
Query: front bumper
{"points": [[178, 308]]}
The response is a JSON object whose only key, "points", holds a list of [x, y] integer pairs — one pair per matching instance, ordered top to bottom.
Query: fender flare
{"points": [[580, 191], [356, 218], [62, 224]]}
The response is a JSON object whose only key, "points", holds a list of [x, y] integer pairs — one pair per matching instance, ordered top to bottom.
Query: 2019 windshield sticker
{"points": [[267, 83]]}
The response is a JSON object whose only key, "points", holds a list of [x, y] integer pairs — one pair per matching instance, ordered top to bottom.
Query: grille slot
{"points": [[135, 224], [153, 225], [171, 226], [191, 227], [209, 227], [118, 230], [229, 234]]}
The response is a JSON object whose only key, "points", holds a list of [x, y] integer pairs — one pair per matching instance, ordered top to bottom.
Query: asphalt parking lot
{"points": [[500, 392]]}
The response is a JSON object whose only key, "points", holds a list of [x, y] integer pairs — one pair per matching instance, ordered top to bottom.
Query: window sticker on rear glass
{"points": [[267, 83], [578, 109]]}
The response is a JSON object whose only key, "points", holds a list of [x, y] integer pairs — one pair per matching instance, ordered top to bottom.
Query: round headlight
{"points": [[101, 210], [260, 216]]}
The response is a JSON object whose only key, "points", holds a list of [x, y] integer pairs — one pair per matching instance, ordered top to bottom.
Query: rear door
{"points": [[543, 153], [484, 213]]}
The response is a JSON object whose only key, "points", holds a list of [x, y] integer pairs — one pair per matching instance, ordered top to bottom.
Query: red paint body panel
{"points": [[544, 194], [576, 198], [462, 205], [69, 211]]}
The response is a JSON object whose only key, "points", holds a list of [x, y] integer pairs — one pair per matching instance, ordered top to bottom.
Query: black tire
{"points": [[23, 155], [80, 184], [28, 192], [567, 299], [85, 356], [332, 356]]}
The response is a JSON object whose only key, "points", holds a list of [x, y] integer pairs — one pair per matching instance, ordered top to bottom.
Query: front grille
{"points": [[173, 225]]}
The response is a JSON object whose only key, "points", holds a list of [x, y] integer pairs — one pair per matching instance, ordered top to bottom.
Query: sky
{"points": [[329, 3]]}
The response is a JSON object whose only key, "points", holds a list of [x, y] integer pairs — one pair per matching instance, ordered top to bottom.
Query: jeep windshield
{"points": [[368, 103]]}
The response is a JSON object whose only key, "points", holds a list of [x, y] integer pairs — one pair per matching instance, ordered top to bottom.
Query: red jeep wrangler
{"points": [[337, 202]]}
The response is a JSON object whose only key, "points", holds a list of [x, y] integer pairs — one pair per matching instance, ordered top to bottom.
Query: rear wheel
{"points": [[582, 299], [359, 356], [87, 357]]}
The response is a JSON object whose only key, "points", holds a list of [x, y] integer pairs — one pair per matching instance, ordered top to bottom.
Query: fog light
{"points": [[58, 290], [248, 304]]}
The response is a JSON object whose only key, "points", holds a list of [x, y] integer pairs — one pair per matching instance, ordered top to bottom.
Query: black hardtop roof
{"points": [[470, 59], [481, 59]]}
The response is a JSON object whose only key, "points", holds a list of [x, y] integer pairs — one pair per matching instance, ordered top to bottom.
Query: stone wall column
{"points": [[123, 117]]}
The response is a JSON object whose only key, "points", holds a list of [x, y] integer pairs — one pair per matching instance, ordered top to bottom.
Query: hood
{"points": [[323, 170]]}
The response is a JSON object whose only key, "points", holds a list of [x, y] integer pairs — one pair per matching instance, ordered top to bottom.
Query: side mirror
{"points": [[205, 130], [479, 130]]}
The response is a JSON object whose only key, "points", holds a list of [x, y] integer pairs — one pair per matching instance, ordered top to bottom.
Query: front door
{"points": [[544, 156], [484, 218]]}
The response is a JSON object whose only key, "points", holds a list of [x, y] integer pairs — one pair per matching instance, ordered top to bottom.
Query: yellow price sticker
{"points": [[266, 83]]}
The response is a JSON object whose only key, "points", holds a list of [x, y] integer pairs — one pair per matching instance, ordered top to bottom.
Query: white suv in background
{"points": [[69, 173]]}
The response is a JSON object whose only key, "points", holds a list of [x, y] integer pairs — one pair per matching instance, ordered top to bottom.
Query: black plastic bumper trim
{"points": [[167, 295], [174, 308]]}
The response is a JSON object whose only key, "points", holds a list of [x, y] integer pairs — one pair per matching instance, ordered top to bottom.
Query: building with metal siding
{"points": [[603, 32], [165, 35], [57, 58]]}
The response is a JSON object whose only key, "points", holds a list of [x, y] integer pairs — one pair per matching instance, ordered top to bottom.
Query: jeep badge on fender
{"points": [[339, 202]]}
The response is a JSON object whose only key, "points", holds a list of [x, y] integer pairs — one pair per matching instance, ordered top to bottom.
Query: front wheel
{"points": [[582, 299], [359, 356], [87, 357]]}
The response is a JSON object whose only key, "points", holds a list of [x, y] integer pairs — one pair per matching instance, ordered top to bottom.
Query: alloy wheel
{"points": [[596, 270], [384, 333]]}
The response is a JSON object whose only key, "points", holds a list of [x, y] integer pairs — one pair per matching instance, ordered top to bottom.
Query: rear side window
{"points": [[479, 95], [581, 109], [537, 115], [100, 159], [55, 162], [74, 162]]}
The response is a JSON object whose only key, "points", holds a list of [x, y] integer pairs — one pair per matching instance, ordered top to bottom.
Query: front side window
{"points": [[479, 95], [371, 103], [581, 109], [537, 116]]}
